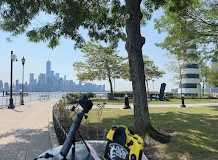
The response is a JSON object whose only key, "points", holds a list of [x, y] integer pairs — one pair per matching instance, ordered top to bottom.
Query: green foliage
{"points": [[102, 18], [194, 22], [101, 63], [175, 67], [151, 71], [209, 74], [212, 78], [122, 94], [169, 95], [71, 98], [64, 115]]}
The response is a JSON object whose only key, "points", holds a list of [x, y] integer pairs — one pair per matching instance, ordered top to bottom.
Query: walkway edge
{"points": [[52, 135]]}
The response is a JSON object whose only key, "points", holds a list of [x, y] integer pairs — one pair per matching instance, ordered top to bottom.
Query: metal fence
{"points": [[40, 96], [59, 130]]}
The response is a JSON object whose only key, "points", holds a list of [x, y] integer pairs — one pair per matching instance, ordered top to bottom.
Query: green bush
{"points": [[122, 94], [91, 95], [169, 95], [73, 97], [64, 115]]}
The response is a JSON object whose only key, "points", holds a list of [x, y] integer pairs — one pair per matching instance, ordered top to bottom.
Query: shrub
{"points": [[122, 94], [91, 95], [170, 95], [73, 97], [64, 115]]}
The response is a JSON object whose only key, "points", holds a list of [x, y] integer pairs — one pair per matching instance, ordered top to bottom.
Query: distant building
{"points": [[48, 72], [57, 76], [65, 78], [31, 80], [41, 80], [51, 82], [80, 83], [1, 85], [6, 86], [104, 88], [174, 90]]}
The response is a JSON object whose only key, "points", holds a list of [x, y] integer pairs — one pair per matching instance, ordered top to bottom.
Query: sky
{"points": [[64, 55]]}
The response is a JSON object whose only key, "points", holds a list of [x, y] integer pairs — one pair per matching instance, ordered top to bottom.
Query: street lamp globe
{"points": [[23, 60]]}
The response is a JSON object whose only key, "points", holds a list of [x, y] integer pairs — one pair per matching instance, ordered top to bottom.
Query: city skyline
{"points": [[51, 82]]}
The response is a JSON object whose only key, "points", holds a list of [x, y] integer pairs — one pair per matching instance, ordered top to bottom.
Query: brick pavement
{"points": [[24, 130]]}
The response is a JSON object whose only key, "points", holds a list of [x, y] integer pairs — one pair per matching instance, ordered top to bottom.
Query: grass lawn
{"points": [[172, 101], [194, 131]]}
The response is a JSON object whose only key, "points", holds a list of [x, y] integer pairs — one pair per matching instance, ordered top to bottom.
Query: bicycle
{"points": [[87, 150]]}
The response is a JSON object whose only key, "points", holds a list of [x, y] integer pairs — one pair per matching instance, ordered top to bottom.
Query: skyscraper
{"points": [[48, 72], [57, 76], [41, 80], [31, 82], [1, 85], [6, 86]]}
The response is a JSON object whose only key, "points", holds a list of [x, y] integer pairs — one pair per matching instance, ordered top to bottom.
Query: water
{"points": [[32, 96], [36, 96]]}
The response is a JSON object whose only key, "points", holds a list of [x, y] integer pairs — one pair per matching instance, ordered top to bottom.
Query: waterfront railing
{"points": [[30, 97]]}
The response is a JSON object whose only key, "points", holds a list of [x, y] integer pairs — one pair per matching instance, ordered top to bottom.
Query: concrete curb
{"points": [[52, 135]]}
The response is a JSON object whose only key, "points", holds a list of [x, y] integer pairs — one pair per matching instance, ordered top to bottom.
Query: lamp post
{"points": [[23, 62], [203, 84], [183, 102], [11, 105]]}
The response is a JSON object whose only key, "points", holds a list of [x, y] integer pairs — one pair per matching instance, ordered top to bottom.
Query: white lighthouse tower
{"points": [[190, 82]]}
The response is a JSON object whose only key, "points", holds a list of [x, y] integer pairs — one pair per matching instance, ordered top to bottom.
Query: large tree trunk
{"points": [[134, 48], [111, 87], [111, 96]]}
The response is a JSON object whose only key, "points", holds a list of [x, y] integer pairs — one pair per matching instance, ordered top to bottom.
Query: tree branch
{"points": [[200, 20]]}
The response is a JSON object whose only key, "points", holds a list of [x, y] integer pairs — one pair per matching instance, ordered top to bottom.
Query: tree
{"points": [[104, 21], [195, 24], [101, 63], [176, 67], [151, 71], [204, 73], [209, 74], [212, 78]]}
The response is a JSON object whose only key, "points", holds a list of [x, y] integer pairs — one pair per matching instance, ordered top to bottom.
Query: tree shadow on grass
{"points": [[215, 108], [194, 135], [14, 145]]}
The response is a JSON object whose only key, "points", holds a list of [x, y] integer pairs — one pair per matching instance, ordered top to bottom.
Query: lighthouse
{"points": [[190, 81]]}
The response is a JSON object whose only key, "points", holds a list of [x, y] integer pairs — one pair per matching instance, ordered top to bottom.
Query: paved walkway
{"points": [[163, 105], [24, 130]]}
